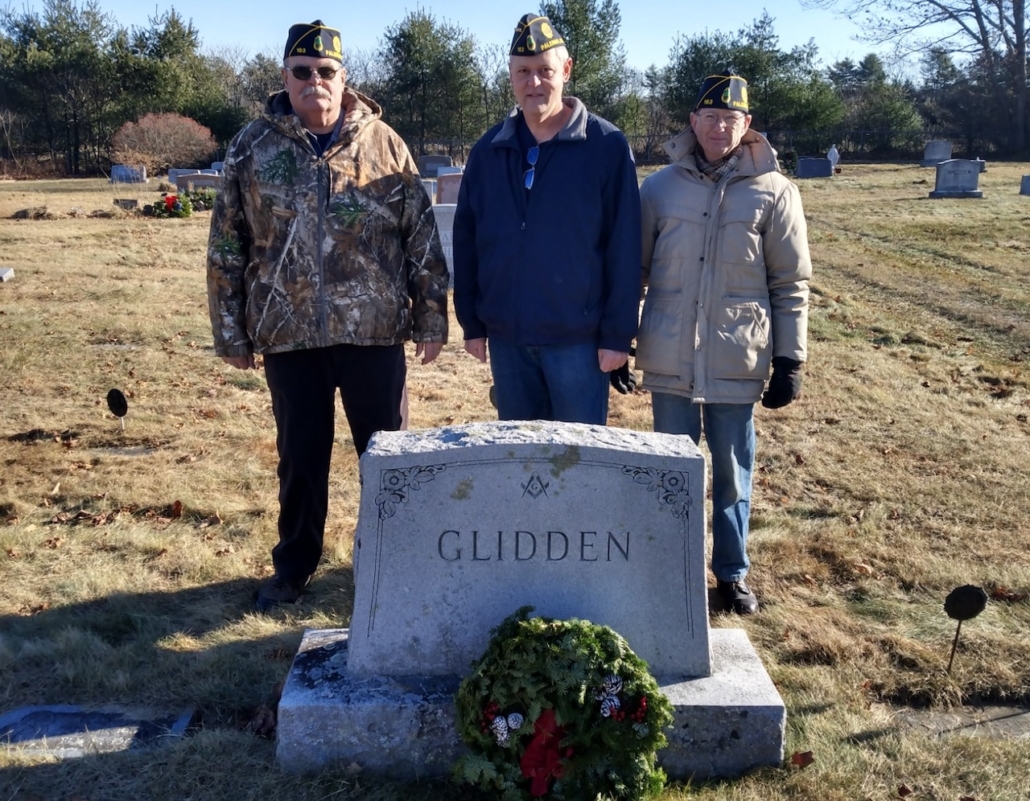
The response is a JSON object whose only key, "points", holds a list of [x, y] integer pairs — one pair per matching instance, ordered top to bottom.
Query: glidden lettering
{"points": [[525, 546]]}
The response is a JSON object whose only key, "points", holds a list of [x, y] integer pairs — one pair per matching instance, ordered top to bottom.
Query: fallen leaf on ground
{"points": [[176, 510], [53, 543], [228, 549], [12, 553], [864, 569], [1009, 597], [262, 722], [802, 759], [904, 790]]}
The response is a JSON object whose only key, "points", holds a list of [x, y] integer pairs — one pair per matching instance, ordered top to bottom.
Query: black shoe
{"points": [[276, 591], [738, 596]]}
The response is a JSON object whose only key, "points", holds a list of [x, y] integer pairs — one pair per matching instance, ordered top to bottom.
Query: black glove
{"points": [[622, 378], [785, 384]]}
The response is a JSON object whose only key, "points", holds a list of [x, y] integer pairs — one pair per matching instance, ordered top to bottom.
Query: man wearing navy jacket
{"points": [[547, 243]]}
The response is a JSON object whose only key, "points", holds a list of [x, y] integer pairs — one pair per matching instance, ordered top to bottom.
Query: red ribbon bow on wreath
{"points": [[170, 201], [541, 762]]}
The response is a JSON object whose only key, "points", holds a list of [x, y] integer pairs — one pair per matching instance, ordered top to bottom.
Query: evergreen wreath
{"points": [[561, 709]]}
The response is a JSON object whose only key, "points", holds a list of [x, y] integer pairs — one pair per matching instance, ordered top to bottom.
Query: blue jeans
{"points": [[549, 382], [730, 433]]}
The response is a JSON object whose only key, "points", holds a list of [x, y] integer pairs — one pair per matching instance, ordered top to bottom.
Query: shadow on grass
{"points": [[199, 647], [212, 767]]}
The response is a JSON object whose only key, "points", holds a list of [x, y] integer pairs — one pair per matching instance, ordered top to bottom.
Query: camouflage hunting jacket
{"points": [[309, 251]]}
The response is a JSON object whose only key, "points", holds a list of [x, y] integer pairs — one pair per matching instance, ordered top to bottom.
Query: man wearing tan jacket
{"points": [[726, 266]]}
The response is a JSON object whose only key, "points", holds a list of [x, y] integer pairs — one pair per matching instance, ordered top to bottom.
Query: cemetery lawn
{"points": [[128, 558]]}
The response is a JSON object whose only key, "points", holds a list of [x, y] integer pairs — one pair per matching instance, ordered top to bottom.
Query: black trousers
{"points": [[303, 384]]}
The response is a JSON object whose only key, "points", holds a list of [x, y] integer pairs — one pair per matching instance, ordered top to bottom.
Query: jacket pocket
{"points": [[658, 339], [741, 346]]}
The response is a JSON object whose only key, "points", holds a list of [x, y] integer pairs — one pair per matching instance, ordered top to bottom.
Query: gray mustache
{"points": [[316, 90]]}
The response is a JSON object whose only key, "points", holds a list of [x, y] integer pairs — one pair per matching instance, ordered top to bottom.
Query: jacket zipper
{"points": [[323, 199]]}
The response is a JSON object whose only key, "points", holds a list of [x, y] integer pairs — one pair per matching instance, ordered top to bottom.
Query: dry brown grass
{"points": [[899, 475]]}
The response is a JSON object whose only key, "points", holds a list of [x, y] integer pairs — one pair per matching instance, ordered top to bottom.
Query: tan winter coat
{"points": [[308, 251], [726, 268]]}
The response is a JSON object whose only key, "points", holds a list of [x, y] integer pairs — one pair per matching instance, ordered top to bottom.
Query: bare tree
{"points": [[991, 31], [7, 120]]}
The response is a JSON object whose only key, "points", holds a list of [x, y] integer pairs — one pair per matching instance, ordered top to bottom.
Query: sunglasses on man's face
{"points": [[304, 73]]}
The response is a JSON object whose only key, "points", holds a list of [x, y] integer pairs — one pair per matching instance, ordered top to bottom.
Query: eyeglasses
{"points": [[304, 73], [712, 118], [531, 157]]}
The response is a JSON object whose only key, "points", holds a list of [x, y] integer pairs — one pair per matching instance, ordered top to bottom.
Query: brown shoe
{"points": [[277, 591], [738, 596]]}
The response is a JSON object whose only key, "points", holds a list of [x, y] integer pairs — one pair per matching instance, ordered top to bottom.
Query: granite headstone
{"points": [[935, 152], [428, 164], [814, 168], [128, 174], [957, 178], [198, 180], [447, 186], [445, 225], [577, 521], [459, 527]]}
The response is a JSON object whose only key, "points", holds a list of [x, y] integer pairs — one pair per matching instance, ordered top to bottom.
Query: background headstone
{"points": [[936, 151], [428, 164], [217, 165], [814, 168], [175, 172], [128, 174], [957, 178], [198, 180], [447, 185], [1024, 185], [445, 225], [6, 274], [462, 526]]}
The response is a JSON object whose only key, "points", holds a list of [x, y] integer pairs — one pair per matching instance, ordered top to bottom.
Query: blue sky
{"points": [[648, 26]]}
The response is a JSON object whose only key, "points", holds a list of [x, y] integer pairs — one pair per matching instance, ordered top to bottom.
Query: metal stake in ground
{"points": [[118, 405], [963, 603]]}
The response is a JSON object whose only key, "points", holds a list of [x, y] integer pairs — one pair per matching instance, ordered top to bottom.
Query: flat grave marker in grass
{"points": [[68, 731]]}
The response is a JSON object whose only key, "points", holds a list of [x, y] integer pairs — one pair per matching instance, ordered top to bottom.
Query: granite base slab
{"points": [[943, 195], [725, 724]]}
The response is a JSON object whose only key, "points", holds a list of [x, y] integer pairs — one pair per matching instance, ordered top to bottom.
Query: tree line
{"points": [[71, 77]]}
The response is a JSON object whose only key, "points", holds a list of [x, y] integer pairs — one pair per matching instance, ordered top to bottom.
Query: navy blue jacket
{"points": [[558, 264]]}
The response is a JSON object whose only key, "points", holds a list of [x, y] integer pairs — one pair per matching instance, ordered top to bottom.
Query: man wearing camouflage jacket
{"points": [[324, 258]]}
